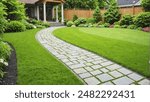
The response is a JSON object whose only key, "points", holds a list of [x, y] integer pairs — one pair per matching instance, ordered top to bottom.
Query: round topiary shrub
{"points": [[146, 5], [126, 20], [142, 20], [69, 23], [15, 26]]}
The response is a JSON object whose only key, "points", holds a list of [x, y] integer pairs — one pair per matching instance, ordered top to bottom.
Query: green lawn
{"points": [[130, 48], [35, 64]]}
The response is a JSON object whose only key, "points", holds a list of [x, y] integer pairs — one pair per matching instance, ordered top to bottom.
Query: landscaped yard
{"points": [[127, 47], [35, 64]]}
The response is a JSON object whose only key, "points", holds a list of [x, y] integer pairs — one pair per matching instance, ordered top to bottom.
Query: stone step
{"points": [[55, 24]]}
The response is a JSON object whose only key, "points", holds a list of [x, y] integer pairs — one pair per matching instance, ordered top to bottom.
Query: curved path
{"points": [[92, 69]]}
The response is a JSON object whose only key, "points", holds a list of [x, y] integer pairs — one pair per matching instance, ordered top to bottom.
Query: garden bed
{"points": [[10, 77]]}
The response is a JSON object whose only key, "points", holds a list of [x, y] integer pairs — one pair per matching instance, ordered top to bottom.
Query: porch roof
{"points": [[35, 1]]}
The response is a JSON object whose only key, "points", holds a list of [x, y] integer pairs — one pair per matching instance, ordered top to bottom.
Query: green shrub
{"points": [[146, 5], [15, 9], [112, 14], [97, 15], [75, 17], [2, 18], [90, 20], [126, 20], [142, 20], [80, 21], [77, 22], [70, 23], [100, 23], [117, 23], [45, 24], [28, 25], [81, 25], [90, 25], [106, 25], [15, 26], [73, 26], [101, 26], [117, 26], [124, 26], [132, 26], [139, 28], [5, 50]]}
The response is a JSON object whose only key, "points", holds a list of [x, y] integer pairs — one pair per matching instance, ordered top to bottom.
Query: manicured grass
{"points": [[130, 48], [35, 64]]}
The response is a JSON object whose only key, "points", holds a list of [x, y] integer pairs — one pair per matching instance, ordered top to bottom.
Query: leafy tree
{"points": [[83, 4], [146, 5], [15, 10], [112, 14], [97, 15], [2, 18]]}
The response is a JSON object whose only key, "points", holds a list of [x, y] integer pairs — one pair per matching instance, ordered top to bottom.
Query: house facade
{"points": [[45, 10]]}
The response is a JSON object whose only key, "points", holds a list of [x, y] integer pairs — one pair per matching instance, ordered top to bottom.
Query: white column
{"points": [[44, 10], [62, 13], [57, 14], [38, 16]]}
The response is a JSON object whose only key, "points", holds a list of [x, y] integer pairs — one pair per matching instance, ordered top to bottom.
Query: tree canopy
{"points": [[86, 4]]}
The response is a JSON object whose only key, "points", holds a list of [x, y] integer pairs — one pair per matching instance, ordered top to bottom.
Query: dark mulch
{"points": [[10, 77]]}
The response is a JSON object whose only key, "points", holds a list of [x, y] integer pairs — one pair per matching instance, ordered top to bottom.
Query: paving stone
{"points": [[65, 60], [97, 62], [69, 63], [106, 63], [88, 64], [77, 66], [96, 66], [113, 67], [88, 69], [80, 70], [104, 70], [125, 71], [96, 72], [116, 74], [85, 75], [135, 76], [104, 77], [92, 81], [123, 81], [144, 82], [107, 83]]}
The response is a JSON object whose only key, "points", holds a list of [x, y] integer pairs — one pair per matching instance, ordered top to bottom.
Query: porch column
{"points": [[44, 10], [53, 13], [62, 13], [57, 14], [38, 17]]}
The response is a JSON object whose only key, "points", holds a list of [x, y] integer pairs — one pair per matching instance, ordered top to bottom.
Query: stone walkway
{"points": [[92, 69]]}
